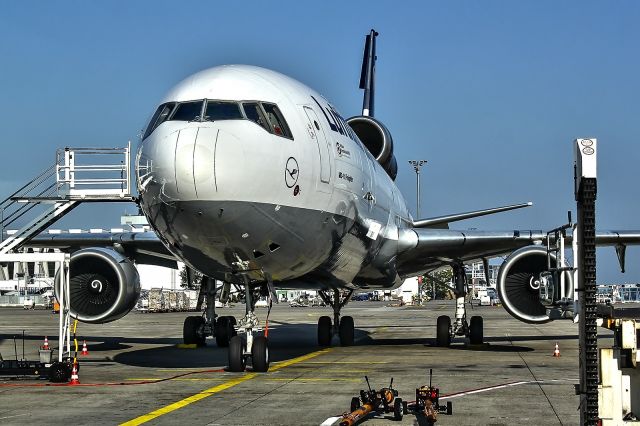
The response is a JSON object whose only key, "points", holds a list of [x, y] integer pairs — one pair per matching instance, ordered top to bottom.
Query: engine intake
{"points": [[377, 139], [521, 283], [103, 284]]}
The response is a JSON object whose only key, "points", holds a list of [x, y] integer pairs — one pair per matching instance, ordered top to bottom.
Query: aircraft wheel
{"points": [[190, 330], [475, 330], [324, 331], [346, 331], [442, 331], [224, 332], [260, 354], [237, 362], [59, 373], [355, 404], [449, 408], [398, 409]]}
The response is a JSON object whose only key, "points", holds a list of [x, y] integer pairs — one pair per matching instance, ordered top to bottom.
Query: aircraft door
{"points": [[316, 132]]}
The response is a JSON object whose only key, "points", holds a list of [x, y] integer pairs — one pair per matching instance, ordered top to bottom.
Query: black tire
{"points": [[233, 322], [190, 329], [324, 331], [346, 331], [224, 332], [476, 334], [443, 338], [260, 354], [237, 361], [59, 373], [355, 404], [405, 407], [449, 408], [397, 409]]}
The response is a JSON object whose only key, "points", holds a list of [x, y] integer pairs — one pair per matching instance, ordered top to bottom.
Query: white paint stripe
{"points": [[507, 385], [330, 421]]}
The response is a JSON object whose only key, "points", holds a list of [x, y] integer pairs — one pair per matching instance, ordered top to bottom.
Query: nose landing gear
{"points": [[250, 345]]}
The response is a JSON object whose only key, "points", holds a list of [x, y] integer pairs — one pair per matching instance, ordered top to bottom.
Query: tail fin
{"points": [[367, 76]]}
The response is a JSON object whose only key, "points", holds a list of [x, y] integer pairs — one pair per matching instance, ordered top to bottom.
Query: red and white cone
{"points": [[45, 345], [85, 351], [556, 352], [75, 380]]}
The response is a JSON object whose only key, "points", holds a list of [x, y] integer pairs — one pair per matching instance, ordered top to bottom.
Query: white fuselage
{"points": [[288, 194]]}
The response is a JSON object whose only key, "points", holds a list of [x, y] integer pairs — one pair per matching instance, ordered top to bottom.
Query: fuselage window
{"points": [[218, 110], [187, 111], [254, 113], [159, 117], [276, 121]]}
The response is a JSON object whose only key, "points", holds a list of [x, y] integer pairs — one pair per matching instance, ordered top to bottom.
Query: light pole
{"points": [[417, 164]]}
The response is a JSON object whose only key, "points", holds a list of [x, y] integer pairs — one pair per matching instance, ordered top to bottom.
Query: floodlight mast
{"points": [[417, 165]]}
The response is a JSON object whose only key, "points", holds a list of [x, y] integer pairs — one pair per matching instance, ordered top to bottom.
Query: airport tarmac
{"points": [[136, 373]]}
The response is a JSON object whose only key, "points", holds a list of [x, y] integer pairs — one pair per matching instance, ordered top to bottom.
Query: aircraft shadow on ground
{"points": [[286, 341]]}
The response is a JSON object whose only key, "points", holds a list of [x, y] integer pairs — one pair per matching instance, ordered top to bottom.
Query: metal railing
{"points": [[83, 172]]}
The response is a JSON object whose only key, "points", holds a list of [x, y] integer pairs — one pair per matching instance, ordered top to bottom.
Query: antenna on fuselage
{"points": [[367, 76]]}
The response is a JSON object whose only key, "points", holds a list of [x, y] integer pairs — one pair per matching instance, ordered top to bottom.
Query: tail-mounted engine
{"points": [[376, 137], [103, 284], [527, 290]]}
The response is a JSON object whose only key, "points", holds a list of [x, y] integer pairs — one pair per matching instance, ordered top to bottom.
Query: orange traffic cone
{"points": [[45, 346], [85, 351], [556, 352], [75, 380]]}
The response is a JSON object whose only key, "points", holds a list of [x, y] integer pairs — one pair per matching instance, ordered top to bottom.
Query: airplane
{"points": [[257, 181]]}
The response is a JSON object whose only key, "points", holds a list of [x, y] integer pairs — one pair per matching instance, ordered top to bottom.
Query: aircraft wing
{"points": [[142, 247], [424, 249]]}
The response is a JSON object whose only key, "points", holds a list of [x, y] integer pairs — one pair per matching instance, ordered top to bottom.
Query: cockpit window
{"points": [[218, 110], [188, 111], [254, 113], [159, 117], [276, 121]]}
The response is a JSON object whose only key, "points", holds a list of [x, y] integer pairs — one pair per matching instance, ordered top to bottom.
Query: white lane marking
{"points": [[506, 385], [330, 421]]}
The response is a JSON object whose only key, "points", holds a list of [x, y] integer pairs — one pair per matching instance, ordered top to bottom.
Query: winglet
{"points": [[425, 223]]}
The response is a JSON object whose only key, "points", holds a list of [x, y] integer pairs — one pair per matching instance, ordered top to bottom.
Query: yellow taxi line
{"points": [[219, 388]]}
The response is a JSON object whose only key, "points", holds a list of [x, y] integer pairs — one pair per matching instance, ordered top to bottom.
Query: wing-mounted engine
{"points": [[376, 138], [104, 285], [527, 290]]}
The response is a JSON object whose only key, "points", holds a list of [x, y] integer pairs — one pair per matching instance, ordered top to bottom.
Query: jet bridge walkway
{"points": [[78, 175]]}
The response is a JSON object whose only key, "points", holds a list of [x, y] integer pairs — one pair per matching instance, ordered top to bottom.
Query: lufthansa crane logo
{"points": [[291, 172]]}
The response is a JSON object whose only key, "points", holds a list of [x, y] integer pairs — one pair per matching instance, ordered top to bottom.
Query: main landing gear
{"points": [[343, 327], [197, 328], [445, 331], [246, 344]]}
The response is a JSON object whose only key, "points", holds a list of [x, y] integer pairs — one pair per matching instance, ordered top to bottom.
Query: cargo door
{"points": [[322, 142]]}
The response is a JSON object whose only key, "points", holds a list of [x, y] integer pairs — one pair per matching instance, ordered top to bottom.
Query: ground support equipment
{"points": [[619, 388], [371, 401]]}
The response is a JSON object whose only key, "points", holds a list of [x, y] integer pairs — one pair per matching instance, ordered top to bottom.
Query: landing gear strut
{"points": [[343, 327], [196, 328], [445, 330], [249, 345]]}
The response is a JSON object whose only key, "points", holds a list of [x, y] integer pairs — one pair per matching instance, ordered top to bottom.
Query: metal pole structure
{"points": [[417, 164]]}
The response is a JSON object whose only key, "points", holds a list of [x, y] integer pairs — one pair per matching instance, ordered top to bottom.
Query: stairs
{"points": [[78, 175]]}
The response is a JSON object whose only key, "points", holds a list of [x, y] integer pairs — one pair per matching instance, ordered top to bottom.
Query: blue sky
{"points": [[490, 93]]}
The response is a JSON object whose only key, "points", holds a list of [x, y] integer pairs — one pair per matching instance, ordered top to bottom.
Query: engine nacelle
{"points": [[377, 139], [104, 285], [525, 289]]}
